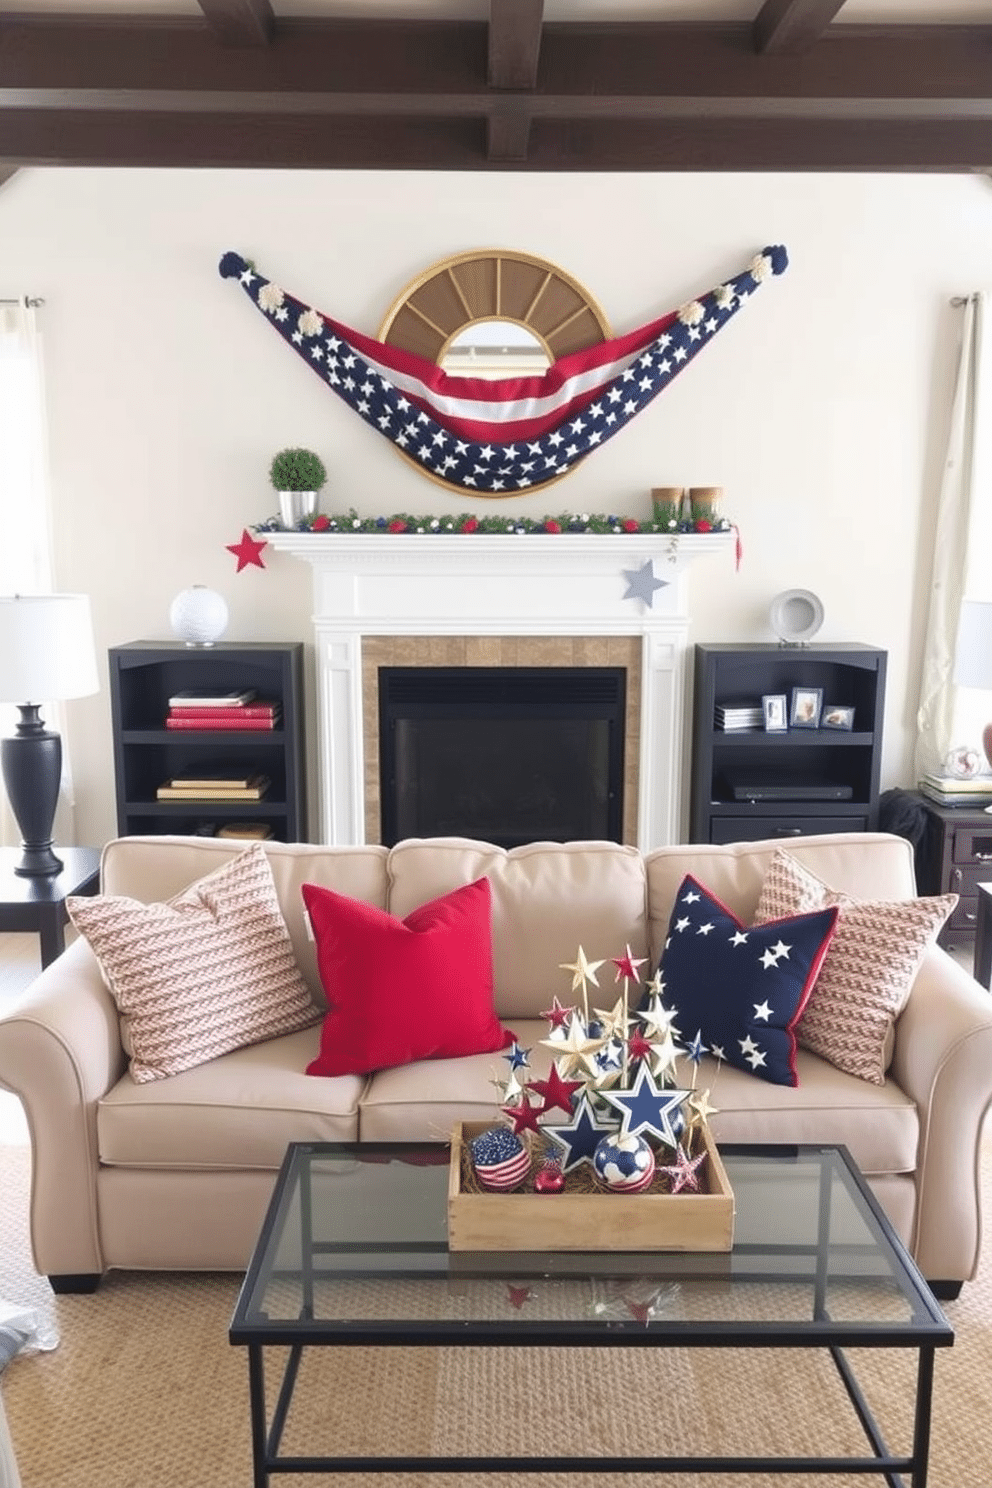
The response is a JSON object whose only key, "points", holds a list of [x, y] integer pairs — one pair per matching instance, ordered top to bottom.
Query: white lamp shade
{"points": [[46, 648], [973, 655]]}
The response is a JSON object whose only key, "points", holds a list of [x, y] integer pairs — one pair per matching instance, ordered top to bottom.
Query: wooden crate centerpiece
{"points": [[584, 1215]]}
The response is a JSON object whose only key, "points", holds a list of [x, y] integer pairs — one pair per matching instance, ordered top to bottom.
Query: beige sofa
{"points": [[176, 1173]]}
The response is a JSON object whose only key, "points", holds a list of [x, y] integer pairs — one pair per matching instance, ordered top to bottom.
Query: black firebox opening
{"points": [[502, 754]]}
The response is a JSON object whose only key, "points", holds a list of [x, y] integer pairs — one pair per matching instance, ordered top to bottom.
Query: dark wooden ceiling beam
{"points": [[240, 22], [792, 25], [514, 42], [615, 97], [269, 141]]}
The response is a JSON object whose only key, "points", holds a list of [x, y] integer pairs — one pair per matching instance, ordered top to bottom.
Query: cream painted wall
{"points": [[821, 409]]}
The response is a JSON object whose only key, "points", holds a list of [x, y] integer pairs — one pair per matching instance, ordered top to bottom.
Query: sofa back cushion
{"points": [[866, 865], [153, 869], [548, 898]]}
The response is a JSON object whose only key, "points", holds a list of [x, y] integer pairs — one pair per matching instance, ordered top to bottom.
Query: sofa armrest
{"points": [[60, 1052], [943, 1060]]}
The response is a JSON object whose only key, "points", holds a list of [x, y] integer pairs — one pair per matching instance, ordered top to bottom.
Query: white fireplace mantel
{"points": [[477, 584]]}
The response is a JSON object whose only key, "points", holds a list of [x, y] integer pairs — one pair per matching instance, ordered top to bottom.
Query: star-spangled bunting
{"points": [[501, 437], [247, 551]]}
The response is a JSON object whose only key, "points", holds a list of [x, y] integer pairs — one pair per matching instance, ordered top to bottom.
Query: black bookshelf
{"points": [[145, 674], [849, 674]]}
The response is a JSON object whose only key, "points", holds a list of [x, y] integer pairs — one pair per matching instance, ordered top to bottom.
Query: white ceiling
{"points": [[855, 12]]}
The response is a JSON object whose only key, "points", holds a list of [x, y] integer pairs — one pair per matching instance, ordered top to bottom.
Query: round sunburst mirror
{"points": [[494, 313]]}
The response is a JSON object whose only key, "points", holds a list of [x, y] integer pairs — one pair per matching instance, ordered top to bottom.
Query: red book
{"points": [[248, 710], [228, 724]]}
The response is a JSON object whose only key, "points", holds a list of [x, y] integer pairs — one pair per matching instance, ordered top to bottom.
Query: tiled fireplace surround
{"points": [[497, 600]]}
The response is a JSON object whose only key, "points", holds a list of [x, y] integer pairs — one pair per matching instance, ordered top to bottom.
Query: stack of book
{"points": [[222, 710], [730, 716], [214, 785], [948, 790]]}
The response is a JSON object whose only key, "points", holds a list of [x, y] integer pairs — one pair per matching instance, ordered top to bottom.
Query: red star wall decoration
{"points": [[247, 551]]}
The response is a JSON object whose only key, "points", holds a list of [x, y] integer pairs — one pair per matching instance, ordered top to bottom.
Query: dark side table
{"points": [[38, 904], [983, 936]]}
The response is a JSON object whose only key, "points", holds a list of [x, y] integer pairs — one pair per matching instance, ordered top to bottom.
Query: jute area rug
{"points": [[144, 1391]]}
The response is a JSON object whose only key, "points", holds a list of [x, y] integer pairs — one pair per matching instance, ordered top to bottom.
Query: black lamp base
{"points": [[31, 762]]}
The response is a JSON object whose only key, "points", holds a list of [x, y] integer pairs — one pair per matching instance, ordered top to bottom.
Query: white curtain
{"points": [[25, 514], [952, 717]]}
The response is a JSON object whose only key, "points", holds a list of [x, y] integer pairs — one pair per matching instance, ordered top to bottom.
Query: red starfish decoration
{"points": [[247, 551], [557, 1015], [555, 1092], [524, 1116], [683, 1171]]}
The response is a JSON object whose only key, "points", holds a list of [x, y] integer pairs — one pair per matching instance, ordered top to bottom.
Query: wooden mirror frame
{"points": [[493, 284]]}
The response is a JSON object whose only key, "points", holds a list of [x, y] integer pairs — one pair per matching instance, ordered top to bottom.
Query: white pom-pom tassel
{"points": [[760, 268], [724, 296], [270, 297], [692, 313], [310, 323]]}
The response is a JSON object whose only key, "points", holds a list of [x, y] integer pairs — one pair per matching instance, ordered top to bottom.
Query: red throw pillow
{"points": [[402, 990]]}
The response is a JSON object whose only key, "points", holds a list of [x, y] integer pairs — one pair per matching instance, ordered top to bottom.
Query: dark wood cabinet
{"points": [[145, 674], [750, 784], [957, 858]]}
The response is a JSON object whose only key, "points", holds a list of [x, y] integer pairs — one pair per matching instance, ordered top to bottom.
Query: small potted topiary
{"points": [[297, 475]]}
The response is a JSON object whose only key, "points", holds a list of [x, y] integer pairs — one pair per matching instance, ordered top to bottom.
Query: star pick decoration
{"points": [[247, 551], [641, 583], [583, 970], [556, 1014], [555, 1092], [646, 1108], [523, 1116], [578, 1138], [682, 1173]]}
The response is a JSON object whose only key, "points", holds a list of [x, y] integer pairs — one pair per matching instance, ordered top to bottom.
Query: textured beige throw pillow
{"points": [[210, 971], [868, 971]]}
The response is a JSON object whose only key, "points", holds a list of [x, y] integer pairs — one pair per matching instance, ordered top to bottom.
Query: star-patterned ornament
{"points": [[247, 551], [641, 583], [658, 1020], [615, 1022], [555, 1092], [648, 1108], [579, 1138]]}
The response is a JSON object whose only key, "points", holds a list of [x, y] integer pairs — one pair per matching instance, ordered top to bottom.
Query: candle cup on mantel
{"points": [[666, 502], [704, 502]]}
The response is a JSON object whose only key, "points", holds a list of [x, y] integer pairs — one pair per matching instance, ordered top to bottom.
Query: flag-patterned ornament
{"points": [[499, 438], [500, 1160]]}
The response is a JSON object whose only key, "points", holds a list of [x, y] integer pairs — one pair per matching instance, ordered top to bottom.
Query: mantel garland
{"points": [[470, 522]]}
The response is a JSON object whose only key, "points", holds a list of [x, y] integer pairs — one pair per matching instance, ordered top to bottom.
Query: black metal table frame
{"points": [[267, 1437]]}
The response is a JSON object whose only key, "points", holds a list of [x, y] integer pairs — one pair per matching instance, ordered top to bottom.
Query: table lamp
{"points": [[46, 654], [973, 655]]}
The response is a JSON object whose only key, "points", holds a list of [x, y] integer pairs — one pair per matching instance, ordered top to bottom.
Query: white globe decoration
{"points": [[198, 615], [625, 1164]]}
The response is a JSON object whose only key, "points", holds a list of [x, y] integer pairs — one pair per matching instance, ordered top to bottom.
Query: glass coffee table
{"points": [[354, 1252]]}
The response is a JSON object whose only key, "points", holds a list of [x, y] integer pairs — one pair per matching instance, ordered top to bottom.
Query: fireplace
{"points": [[493, 599], [505, 754]]}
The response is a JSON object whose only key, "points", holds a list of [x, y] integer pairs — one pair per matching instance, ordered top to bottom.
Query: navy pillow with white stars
{"points": [[744, 988]]}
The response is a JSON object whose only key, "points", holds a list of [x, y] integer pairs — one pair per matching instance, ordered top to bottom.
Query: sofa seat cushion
{"points": [[240, 1111], [878, 1124]]}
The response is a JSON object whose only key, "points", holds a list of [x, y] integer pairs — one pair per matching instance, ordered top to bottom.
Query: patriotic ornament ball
{"points": [[500, 1160], [626, 1164]]}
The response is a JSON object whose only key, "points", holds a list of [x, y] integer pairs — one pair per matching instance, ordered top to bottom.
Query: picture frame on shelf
{"points": [[807, 705], [775, 707], [837, 716]]}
